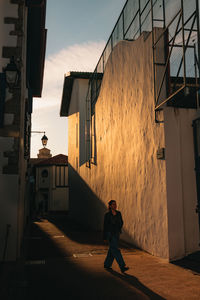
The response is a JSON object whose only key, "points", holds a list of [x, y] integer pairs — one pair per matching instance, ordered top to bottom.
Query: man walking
{"points": [[112, 228]]}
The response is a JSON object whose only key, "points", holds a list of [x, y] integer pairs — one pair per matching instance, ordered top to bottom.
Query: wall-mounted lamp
{"points": [[11, 73], [8, 78], [44, 139]]}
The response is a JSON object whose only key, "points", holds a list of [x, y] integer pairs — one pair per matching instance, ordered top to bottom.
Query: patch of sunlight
{"points": [[57, 236], [77, 255]]}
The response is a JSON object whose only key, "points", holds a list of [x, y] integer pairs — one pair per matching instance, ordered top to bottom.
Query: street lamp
{"points": [[11, 73], [44, 139]]}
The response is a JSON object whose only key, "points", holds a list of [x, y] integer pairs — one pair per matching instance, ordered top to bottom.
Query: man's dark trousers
{"points": [[113, 251]]}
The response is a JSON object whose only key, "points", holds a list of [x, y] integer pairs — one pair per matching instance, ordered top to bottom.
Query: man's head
{"points": [[112, 205]]}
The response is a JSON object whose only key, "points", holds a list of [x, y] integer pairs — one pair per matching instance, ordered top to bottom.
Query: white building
{"points": [[131, 137], [51, 191]]}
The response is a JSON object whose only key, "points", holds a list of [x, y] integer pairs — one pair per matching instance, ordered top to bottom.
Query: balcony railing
{"points": [[138, 16], [179, 70]]}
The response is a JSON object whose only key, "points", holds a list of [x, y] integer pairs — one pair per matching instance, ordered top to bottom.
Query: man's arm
{"points": [[121, 222]]}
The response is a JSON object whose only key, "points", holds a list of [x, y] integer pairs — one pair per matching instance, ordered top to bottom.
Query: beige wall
{"points": [[127, 139], [181, 182]]}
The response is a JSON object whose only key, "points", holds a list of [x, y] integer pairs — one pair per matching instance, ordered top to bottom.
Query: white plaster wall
{"points": [[7, 10], [127, 139], [181, 182], [8, 214]]}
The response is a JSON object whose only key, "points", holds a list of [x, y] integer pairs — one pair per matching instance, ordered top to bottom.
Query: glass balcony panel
{"points": [[143, 4], [188, 8], [171, 9], [130, 10], [158, 13], [146, 19], [191, 23], [134, 31], [118, 32], [107, 52], [175, 61], [189, 61], [100, 65]]}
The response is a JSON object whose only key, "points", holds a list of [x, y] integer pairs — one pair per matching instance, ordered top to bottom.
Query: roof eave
{"points": [[68, 87]]}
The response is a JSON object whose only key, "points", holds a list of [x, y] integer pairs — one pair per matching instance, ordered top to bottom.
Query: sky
{"points": [[77, 31]]}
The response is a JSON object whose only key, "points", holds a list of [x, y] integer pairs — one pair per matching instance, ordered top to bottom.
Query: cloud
{"points": [[79, 57], [45, 117]]}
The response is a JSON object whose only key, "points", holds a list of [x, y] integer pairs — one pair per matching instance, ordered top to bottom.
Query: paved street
{"points": [[65, 261]]}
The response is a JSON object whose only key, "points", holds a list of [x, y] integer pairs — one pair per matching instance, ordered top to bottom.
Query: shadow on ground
{"points": [[73, 230], [190, 262], [48, 273], [133, 281]]}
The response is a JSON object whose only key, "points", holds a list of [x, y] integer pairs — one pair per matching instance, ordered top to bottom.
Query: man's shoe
{"points": [[107, 268], [124, 269]]}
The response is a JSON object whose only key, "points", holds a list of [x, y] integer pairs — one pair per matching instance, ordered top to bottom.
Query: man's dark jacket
{"points": [[112, 224]]}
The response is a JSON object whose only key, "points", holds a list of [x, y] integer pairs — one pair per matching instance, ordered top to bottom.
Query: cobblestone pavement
{"points": [[65, 261]]}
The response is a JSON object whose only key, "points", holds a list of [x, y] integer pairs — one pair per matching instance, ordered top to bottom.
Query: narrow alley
{"points": [[65, 261]]}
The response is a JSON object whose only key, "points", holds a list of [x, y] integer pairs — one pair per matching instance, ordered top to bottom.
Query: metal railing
{"points": [[143, 15], [133, 20], [179, 20], [178, 72]]}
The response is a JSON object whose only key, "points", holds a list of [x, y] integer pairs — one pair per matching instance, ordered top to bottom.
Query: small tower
{"points": [[44, 152]]}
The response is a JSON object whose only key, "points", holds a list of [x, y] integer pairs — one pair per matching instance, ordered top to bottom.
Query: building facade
{"points": [[22, 44], [133, 138], [51, 189]]}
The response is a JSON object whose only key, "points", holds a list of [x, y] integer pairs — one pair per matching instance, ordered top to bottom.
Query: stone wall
{"points": [[13, 165]]}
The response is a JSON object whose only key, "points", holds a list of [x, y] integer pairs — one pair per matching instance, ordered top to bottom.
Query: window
{"points": [[44, 173], [61, 178]]}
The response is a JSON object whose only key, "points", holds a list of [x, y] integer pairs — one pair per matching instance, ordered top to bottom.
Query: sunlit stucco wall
{"points": [[127, 140], [157, 197]]}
